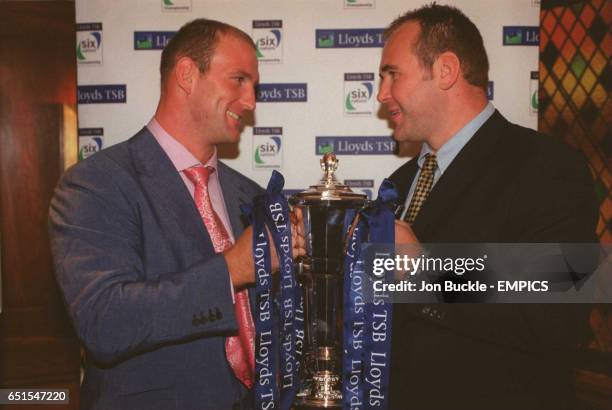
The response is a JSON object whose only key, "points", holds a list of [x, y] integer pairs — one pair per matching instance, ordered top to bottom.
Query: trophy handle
{"points": [[349, 234]]}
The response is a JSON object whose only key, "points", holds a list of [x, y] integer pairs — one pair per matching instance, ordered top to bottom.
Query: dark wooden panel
{"points": [[35, 44], [37, 76], [30, 170]]}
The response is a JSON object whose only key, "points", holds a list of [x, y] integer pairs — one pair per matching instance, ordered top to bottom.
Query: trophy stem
{"points": [[328, 209]]}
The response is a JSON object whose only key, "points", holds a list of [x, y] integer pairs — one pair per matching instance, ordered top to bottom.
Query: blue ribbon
{"points": [[272, 210], [354, 316], [367, 335], [266, 389]]}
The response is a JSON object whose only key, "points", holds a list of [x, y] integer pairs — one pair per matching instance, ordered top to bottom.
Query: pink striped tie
{"points": [[239, 350]]}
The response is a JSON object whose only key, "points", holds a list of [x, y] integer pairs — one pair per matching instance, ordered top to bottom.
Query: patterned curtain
{"points": [[575, 78]]}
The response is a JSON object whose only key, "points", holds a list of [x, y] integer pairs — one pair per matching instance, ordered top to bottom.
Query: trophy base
{"points": [[322, 391], [315, 407]]}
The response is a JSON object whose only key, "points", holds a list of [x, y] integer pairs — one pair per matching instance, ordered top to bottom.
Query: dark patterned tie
{"points": [[423, 187], [240, 350]]}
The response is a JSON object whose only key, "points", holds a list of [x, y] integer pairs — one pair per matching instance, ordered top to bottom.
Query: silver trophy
{"points": [[321, 272]]}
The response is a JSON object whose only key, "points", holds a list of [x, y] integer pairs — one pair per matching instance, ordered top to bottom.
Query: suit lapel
{"points": [[458, 177], [405, 178], [162, 182], [167, 191], [234, 195]]}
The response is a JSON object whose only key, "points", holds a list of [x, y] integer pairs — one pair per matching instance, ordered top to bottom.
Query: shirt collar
{"points": [[447, 153], [180, 156]]}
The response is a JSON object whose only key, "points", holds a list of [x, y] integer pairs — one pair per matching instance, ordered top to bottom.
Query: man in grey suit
{"points": [[150, 297]]}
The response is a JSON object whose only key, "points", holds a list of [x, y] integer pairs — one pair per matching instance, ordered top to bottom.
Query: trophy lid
{"points": [[329, 188]]}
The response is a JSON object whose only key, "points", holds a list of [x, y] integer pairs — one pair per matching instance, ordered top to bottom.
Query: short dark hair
{"points": [[446, 28], [197, 40]]}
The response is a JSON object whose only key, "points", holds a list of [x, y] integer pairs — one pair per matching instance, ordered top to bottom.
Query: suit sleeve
{"points": [[557, 202], [558, 205], [118, 311]]}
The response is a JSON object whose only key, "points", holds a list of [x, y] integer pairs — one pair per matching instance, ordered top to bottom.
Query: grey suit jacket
{"points": [[150, 300]]}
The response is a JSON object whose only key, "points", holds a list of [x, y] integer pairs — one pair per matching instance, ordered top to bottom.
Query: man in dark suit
{"points": [[478, 178], [144, 251]]}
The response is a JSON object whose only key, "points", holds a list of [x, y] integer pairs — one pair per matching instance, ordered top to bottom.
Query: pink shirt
{"points": [[182, 159]]}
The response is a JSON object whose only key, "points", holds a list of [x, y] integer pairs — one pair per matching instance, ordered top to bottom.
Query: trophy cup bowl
{"points": [[325, 209]]}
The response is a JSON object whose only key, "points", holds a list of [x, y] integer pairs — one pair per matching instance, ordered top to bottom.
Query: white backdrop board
{"points": [[318, 68]]}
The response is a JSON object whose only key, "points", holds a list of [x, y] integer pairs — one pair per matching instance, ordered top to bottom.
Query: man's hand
{"points": [[297, 233], [404, 234], [239, 258]]}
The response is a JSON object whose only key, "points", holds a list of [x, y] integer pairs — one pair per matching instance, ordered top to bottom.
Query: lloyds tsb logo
{"points": [[521, 35], [349, 38], [152, 40], [358, 94], [355, 145]]}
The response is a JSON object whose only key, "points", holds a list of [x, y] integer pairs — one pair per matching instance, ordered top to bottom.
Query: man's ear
{"points": [[447, 68], [185, 72]]}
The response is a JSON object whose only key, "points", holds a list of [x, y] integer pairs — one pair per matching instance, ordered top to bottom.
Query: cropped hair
{"points": [[446, 28], [197, 40]]}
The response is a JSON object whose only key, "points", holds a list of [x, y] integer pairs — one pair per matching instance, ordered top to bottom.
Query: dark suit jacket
{"points": [[508, 184], [149, 298]]}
